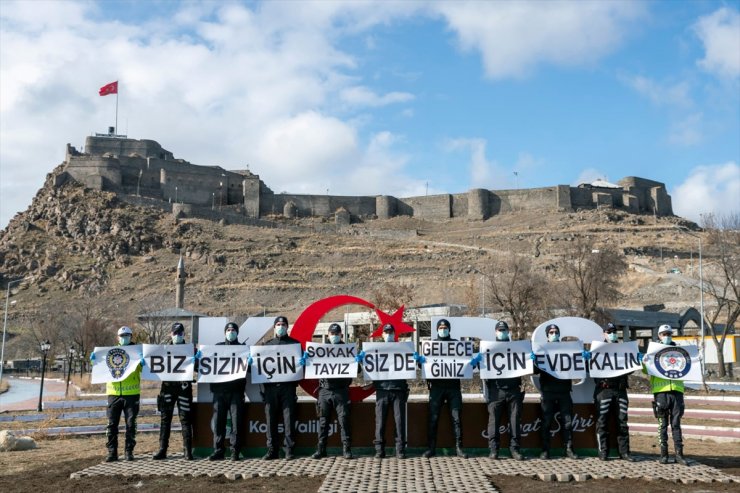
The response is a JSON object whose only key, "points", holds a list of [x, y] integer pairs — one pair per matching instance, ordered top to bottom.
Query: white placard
{"points": [[447, 359], [505, 359], [612, 359], [330, 360], [563, 360], [388, 361], [673, 362], [168, 363], [222, 363], [276, 363], [113, 364]]}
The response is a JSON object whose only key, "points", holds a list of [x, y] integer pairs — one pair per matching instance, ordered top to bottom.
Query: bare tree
{"points": [[591, 277], [722, 278], [521, 291], [390, 296], [155, 327]]}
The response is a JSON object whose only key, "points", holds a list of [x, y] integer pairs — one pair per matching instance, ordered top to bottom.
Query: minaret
{"points": [[180, 292]]}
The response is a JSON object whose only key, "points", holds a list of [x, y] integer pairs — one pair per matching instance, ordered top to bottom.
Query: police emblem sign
{"points": [[673, 362], [113, 364]]}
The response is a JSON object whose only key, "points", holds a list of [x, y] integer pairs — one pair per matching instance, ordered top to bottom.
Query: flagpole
{"points": [[116, 110]]}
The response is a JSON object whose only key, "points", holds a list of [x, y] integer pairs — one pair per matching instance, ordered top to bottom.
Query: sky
{"points": [[400, 98]]}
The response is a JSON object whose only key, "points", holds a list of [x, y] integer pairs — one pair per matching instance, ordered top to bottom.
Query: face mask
{"points": [[280, 330], [443, 333], [502, 335], [231, 336], [388, 337], [553, 337], [612, 337], [178, 339], [335, 339], [666, 339], [124, 340]]}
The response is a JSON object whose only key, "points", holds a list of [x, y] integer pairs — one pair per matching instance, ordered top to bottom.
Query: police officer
{"points": [[441, 391], [171, 393], [334, 393], [390, 393], [504, 394], [610, 396], [123, 397], [556, 397], [228, 399], [280, 400], [668, 405]]}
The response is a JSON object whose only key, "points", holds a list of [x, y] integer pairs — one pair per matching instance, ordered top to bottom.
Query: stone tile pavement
{"points": [[416, 474]]}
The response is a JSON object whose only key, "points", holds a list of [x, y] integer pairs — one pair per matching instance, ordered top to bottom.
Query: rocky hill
{"points": [[71, 239]]}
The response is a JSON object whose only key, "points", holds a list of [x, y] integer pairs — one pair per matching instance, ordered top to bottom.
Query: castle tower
{"points": [[180, 292]]}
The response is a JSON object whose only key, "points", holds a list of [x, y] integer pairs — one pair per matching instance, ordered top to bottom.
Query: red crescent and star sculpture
{"points": [[305, 326]]}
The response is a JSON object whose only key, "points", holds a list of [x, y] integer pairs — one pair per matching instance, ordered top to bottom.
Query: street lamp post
{"points": [[138, 183], [176, 194], [220, 195], [701, 299], [5, 325], [45, 346], [70, 359]]}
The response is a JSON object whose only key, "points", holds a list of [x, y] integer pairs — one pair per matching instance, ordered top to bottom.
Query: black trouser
{"points": [[183, 397], [437, 397], [280, 398], [337, 399], [383, 400], [511, 402], [553, 402], [227, 403], [608, 403], [129, 406], [670, 407]]}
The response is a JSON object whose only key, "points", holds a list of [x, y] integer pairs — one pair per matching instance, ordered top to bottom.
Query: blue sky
{"points": [[385, 97]]}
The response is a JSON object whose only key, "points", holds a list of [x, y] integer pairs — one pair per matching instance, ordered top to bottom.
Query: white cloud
{"points": [[720, 34], [515, 37], [660, 94], [363, 96], [687, 131], [485, 173], [590, 175], [708, 189]]}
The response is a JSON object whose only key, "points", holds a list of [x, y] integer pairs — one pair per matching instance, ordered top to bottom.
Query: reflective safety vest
{"points": [[658, 384], [128, 386]]}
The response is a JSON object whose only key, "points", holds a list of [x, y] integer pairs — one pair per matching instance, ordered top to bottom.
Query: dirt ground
{"points": [[48, 469]]}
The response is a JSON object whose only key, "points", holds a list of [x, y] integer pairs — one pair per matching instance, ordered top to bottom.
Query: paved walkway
{"points": [[416, 474]]}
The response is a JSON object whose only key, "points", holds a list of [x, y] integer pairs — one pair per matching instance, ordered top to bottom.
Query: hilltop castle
{"points": [[143, 168]]}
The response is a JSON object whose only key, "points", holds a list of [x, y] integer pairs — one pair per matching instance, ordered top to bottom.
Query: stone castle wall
{"points": [[143, 168]]}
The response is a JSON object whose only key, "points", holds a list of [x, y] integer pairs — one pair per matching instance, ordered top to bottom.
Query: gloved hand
{"points": [[586, 354], [197, 355], [92, 356], [532, 356], [360, 357], [639, 357], [419, 358], [304, 359], [250, 360], [142, 361], [475, 361]]}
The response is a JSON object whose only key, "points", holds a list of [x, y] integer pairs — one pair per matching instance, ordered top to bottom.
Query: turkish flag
{"points": [[111, 88]]}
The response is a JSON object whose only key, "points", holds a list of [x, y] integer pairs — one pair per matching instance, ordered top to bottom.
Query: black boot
{"points": [[187, 448], [569, 451], [320, 452], [347, 452], [380, 452], [460, 452], [289, 453], [400, 453], [430, 453], [494, 453], [162, 454], [129, 455], [217, 455], [235, 455], [270, 455], [545, 455], [603, 455], [663, 455], [112, 456], [626, 456], [680, 458]]}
